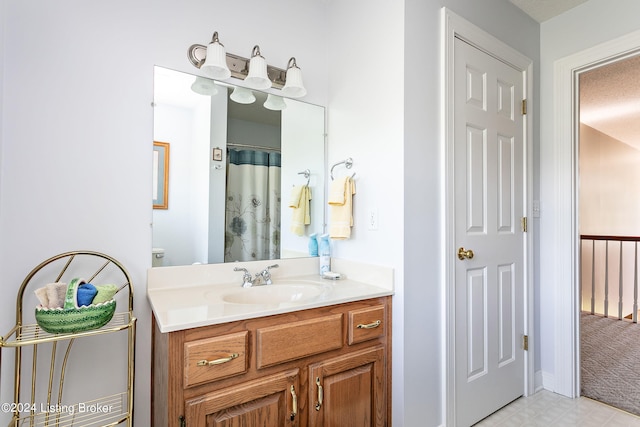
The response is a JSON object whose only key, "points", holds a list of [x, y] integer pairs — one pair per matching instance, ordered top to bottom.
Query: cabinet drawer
{"points": [[366, 323], [277, 344], [214, 358]]}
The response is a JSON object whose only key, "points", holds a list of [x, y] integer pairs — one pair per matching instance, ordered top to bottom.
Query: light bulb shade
{"points": [[215, 64], [258, 77], [204, 86], [293, 87], [242, 95], [274, 102]]}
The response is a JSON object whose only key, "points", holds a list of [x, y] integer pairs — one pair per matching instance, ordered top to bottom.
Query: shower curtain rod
{"points": [[252, 147]]}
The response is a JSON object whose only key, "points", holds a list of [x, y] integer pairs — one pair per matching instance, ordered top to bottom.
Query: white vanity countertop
{"points": [[190, 303]]}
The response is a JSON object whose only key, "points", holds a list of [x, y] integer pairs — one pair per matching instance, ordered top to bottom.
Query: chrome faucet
{"points": [[266, 275], [262, 278], [247, 280]]}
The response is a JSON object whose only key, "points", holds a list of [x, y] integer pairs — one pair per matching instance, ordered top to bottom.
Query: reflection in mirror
{"points": [[237, 168]]}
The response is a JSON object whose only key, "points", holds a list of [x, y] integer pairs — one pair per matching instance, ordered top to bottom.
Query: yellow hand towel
{"points": [[338, 191], [296, 196], [341, 208], [301, 215]]}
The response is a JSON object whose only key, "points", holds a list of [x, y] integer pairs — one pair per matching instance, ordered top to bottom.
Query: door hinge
{"points": [[524, 107], [523, 224], [525, 342], [183, 422]]}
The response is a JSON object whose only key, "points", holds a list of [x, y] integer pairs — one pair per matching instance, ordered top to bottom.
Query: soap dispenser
{"points": [[313, 244], [324, 250]]}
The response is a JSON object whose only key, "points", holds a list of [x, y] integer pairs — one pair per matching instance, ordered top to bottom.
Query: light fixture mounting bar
{"points": [[238, 65]]}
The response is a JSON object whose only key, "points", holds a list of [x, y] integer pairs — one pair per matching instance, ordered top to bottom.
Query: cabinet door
{"points": [[348, 390], [268, 401]]}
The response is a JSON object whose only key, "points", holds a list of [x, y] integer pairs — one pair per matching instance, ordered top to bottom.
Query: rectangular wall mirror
{"points": [[233, 170]]}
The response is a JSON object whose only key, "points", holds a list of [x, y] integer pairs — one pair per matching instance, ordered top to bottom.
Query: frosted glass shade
{"points": [[215, 64], [258, 77], [204, 86], [293, 87], [242, 95], [274, 102]]}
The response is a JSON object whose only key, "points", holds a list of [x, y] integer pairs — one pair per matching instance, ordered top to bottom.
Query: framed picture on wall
{"points": [[160, 175]]}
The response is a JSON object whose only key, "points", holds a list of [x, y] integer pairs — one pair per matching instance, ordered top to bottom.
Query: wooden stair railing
{"points": [[612, 240]]}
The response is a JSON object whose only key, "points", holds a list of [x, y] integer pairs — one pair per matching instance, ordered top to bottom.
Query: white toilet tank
{"points": [[157, 259]]}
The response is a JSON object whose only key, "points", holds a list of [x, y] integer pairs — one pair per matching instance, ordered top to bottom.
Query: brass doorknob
{"points": [[462, 254]]}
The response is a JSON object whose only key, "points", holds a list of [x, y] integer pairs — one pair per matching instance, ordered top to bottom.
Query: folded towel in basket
{"points": [[56, 292], [86, 293], [105, 293], [42, 296]]}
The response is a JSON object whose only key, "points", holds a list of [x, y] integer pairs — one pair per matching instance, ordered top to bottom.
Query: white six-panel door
{"points": [[489, 285]]}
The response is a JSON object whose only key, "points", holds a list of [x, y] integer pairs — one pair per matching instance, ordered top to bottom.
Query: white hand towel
{"points": [[56, 292]]}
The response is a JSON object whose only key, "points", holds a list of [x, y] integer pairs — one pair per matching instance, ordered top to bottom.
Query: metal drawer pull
{"points": [[369, 325], [218, 361], [320, 394], [294, 404]]}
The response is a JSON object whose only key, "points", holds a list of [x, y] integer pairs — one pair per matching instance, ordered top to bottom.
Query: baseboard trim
{"points": [[545, 380]]}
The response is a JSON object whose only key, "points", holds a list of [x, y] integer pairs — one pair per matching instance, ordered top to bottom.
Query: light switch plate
{"points": [[372, 220]]}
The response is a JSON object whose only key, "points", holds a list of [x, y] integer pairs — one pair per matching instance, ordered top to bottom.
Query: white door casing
{"points": [[453, 28], [488, 187], [560, 237]]}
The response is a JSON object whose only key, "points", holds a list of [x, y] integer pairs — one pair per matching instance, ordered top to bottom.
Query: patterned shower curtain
{"points": [[252, 222]]}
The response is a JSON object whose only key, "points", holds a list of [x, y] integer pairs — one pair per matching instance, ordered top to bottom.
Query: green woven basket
{"points": [[72, 318]]}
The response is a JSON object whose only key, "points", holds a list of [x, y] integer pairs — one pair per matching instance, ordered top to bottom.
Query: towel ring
{"points": [[347, 163], [307, 174]]}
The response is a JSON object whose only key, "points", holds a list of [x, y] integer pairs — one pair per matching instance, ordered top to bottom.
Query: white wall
{"points": [[3, 17], [585, 26], [387, 118], [365, 122], [78, 126], [609, 175]]}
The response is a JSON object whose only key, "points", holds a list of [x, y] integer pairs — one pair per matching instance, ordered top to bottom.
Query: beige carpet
{"points": [[610, 361]]}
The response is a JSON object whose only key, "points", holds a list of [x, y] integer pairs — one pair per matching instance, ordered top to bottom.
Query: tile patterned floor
{"points": [[546, 409]]}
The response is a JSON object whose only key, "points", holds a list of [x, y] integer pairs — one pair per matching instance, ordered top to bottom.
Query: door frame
{"points": [[452, 27], [562, 265]]}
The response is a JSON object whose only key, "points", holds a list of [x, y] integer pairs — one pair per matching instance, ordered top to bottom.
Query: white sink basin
{"points": [[274, 294]]}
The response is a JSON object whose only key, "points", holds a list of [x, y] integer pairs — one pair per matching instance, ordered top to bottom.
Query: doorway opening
{"points": [[608, 211]]}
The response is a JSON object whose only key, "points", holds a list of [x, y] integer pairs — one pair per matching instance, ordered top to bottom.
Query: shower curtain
{"points": [[252, 222]]}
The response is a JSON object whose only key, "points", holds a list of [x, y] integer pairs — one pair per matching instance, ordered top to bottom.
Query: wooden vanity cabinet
{"points": [[328, 366]]}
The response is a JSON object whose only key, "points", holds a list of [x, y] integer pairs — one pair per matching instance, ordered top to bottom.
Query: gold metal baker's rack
{"points": [[120, 404]]}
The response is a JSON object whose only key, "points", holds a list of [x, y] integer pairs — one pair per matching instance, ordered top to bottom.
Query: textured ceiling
{"points": [[541, 10], [609, 95], [610, 100]]}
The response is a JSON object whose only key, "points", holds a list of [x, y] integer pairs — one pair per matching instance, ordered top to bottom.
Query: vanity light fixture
{"points": [[215, 61], [257, 77], [204, 86], [293, 87], [242, 95], [275, 103]]}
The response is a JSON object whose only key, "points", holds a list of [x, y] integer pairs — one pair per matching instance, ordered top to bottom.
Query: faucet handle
{"points": [[266, 275], [247, 280]]}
